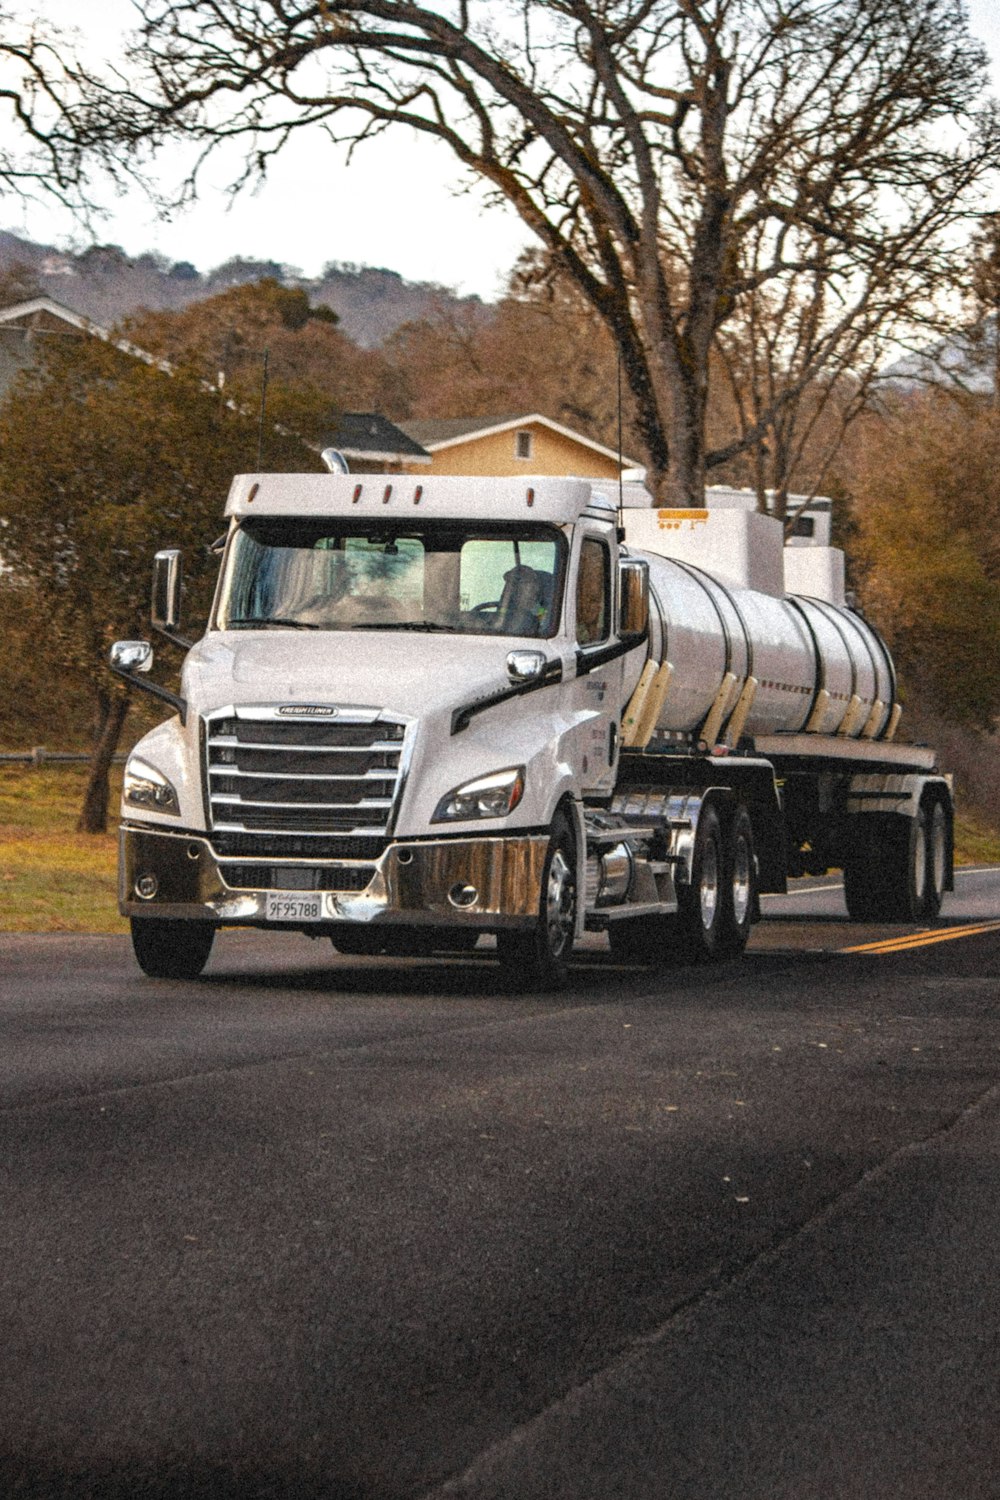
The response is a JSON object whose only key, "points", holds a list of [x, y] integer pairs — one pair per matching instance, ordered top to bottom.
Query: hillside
{"points": [[107, 285]]}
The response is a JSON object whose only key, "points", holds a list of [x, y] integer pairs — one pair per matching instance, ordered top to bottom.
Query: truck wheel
{"points": [[938, 845], [886, 872], [864, 880], [738, 893], [704, 926], [359, 940], [643, 940], [167, 948], [539, 958]]}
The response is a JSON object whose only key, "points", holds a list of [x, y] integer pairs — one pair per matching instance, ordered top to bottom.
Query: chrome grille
{"points": [[321, 787]]}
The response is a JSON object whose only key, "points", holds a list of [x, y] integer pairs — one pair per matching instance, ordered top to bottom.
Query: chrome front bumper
{"points": [[483, 883]]}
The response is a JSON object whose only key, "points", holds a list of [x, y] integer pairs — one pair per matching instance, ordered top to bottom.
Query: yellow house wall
{"points": [[550, 454]]}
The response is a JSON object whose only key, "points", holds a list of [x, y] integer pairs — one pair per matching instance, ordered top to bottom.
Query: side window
{"points": [[593, 593]]}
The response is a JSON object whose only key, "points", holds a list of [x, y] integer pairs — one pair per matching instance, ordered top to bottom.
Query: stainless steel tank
{"points": [[818, 666]]}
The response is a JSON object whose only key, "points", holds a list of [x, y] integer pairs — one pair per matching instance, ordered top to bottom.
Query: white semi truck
{"points": [[426, 710]]}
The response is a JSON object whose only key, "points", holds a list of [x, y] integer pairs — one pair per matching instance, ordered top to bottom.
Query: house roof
{"points": [[30, 316], [437, 433], [367, 434]]}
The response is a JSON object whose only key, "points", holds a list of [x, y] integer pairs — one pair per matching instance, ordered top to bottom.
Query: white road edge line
{"points": [[811, 890]]}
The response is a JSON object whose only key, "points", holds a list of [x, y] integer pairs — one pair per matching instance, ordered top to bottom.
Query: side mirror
{"points": [[165, 606], [633, 613], [131, 656], [525, 666]]}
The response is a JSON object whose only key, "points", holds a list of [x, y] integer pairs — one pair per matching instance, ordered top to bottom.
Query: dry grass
{"points": [[975, 844], [55, 880]]}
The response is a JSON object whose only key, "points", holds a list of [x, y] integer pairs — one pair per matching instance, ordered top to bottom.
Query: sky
{"points": [[400, 204]]}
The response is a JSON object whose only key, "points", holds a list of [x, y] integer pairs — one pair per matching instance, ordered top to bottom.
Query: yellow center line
{"points": [[922, 939]]}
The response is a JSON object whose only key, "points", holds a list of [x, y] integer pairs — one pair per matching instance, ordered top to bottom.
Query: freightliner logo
{"points": [[309, 710]]}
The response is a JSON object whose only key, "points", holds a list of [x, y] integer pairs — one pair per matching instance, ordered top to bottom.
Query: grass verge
{"points": [[975, 842], [53, 879]]}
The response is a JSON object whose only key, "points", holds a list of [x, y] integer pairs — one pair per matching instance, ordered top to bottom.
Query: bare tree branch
{"points": [[701, 171]]}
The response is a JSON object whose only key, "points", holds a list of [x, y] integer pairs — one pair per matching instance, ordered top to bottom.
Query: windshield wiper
{"points": [[279, 620], [401, 625]]}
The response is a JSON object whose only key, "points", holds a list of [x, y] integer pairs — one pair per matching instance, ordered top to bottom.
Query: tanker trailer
{"points": [[742, 675], [424, 711]]}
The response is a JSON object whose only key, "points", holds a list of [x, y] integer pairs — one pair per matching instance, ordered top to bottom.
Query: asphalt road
{"points": [[357, 1229]]}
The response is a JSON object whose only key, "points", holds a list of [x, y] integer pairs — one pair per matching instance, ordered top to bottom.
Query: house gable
{"points": [[530, 444]]}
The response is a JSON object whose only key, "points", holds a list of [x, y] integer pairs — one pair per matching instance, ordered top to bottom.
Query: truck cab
{"points": [[406, 694]]}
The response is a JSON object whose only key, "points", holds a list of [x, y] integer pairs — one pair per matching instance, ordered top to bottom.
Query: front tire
{"points": [[359, 941], [169, 948], [539, 958]]}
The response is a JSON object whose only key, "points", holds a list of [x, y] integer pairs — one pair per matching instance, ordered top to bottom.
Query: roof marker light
{"points": [[388, 492], [253, 493], [357, 494], [417, 494], [531, 496]]}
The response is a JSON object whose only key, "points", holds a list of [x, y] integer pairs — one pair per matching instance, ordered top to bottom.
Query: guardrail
{"points": [[39, 756]]}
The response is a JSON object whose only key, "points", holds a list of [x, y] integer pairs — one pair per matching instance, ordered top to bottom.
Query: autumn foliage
{"points": [[928, 550]]}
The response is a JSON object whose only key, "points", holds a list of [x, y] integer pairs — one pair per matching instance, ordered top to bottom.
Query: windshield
{"points": [[471, 579]]}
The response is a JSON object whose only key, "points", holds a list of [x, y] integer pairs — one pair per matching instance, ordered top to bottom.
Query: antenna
{"points": [[263, 404], [621, 486]]}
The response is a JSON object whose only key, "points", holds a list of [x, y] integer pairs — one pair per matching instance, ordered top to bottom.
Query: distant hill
{"points": [[107, 285], [965, 361]]}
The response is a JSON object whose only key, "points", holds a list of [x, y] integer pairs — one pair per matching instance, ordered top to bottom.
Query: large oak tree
{"points": [[680, 161]]}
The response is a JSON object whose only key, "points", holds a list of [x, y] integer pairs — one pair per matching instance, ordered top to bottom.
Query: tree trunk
{"points": [[686, 478], [112, 708]]}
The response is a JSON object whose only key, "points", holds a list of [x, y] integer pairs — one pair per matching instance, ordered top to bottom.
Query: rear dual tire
{"points": [[897, 867], [716, 909]]}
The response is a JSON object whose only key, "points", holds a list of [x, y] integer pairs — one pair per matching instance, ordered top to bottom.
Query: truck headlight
{"points": [[146, 787], [487, 797]]}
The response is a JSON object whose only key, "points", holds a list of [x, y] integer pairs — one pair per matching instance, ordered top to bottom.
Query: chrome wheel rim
{"points": [[938, 848], [920, 862], [741, 881], [708, 884], [559, 904]]}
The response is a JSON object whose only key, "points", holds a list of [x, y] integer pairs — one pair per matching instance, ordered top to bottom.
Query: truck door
{"points": [[596, 691]]}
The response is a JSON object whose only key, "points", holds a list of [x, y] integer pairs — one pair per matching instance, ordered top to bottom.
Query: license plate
{"points": [[282, 908]]}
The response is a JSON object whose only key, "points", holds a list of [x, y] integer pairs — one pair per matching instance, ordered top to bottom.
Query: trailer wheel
{"points": [[938, 845], [886, 874], [706, 931], [167, 948], [539, 958]]}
